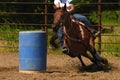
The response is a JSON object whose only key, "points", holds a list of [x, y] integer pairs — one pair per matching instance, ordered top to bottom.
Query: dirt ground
{"points": [[59, 67]]}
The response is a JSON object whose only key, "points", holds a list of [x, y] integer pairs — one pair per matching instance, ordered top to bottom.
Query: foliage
{"points": [[39, 8], [110, 17], [9, 33], [9, 36]]}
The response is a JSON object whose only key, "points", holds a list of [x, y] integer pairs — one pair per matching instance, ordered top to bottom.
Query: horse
{"points": [[55, 27], [78, 38]]}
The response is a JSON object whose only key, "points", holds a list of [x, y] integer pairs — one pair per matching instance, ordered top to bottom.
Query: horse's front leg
{"points": [[53, 39], [89, 57], [83, 64]]}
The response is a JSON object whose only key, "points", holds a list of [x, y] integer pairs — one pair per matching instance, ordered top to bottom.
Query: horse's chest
{"points": [[75, 47]]}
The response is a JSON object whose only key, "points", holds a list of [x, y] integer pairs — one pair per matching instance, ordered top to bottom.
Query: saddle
{"points": [[94, 32], [65, 48]]}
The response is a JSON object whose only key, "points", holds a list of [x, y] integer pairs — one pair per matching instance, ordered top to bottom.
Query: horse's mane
{"points": [[66, 19]]}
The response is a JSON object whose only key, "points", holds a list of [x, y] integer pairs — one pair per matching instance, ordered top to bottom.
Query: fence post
{"points": [[46, 7], [99, 26]]}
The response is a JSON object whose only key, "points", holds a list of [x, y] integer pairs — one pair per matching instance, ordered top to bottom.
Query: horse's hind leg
{"points": [[53, 39], [94, 53], [99, 59]]}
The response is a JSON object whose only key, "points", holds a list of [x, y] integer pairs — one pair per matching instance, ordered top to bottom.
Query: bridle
{"points": [[72, 20], [80, 24]]}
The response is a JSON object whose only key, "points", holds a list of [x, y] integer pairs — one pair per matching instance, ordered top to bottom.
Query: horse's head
{"points": [[57, 15], [66, 19]]}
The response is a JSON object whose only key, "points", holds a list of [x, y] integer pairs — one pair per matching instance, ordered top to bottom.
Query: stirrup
{"points": [[97, 34], [65, 49]]}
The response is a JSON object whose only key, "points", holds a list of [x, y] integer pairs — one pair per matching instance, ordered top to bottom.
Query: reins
{"points": [[80, 28], [71, 38], [75, 39]]}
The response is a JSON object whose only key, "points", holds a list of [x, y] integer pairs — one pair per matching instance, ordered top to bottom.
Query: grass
{"points": [[111, 17], [9, 36], [10, 41], [113, 43]]}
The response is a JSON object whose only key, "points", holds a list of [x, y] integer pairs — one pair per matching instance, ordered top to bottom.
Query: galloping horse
{"points": [[77, 38]]}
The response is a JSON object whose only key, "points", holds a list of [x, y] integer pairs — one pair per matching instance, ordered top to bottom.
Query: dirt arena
{"points": [[59, 67]]}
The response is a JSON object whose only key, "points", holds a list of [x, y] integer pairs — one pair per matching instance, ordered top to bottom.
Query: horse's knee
{"points": [[92, 42], [104, 61]]}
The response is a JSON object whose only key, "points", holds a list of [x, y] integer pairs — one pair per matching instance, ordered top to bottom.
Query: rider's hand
{"points": [[61, 5]]}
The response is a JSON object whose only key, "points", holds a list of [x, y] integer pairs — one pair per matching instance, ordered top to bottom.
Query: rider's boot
{"points": [[94, 32]]}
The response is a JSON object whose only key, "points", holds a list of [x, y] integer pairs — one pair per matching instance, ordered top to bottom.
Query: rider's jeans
{"points": [[82, 18], [60, 36]]}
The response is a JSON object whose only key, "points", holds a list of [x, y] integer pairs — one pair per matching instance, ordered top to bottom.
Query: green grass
{"points": [[111, 17], [9, 36], [10, 41], [112, 43]]}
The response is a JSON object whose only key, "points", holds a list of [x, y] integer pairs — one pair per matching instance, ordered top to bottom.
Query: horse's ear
{"points": [[64, 8]]}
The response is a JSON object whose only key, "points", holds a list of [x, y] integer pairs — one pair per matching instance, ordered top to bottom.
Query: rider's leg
{"points": [[83, 19], [87, 22], [60, 36], [62, 41]]}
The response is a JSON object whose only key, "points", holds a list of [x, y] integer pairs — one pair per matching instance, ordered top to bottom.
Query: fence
{"points": [[13, 41]]}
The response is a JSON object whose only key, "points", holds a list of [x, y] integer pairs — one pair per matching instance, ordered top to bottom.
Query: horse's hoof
{"points": [[65, 50], [94, 61], [104, 61], [99, 65], [100, 68], [83, 69]]}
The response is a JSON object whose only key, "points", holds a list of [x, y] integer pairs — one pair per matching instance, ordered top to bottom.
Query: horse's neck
{"points": [[68, 23], [73, 30]]}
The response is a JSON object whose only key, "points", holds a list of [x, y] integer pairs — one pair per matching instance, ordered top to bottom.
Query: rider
{"points": [[70, 8]]}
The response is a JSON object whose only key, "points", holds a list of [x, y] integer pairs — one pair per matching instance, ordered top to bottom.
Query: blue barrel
{"points": [[32, 50]]}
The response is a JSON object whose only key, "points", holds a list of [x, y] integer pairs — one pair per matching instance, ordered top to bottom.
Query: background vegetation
{"points": [[9, 33]]}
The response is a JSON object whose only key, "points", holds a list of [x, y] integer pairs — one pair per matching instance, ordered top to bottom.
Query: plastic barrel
{"points": [[32, 51]]}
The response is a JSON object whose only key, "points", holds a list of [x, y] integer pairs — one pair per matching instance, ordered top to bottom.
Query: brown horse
{"points": [[55, 27], [77, 38]]}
